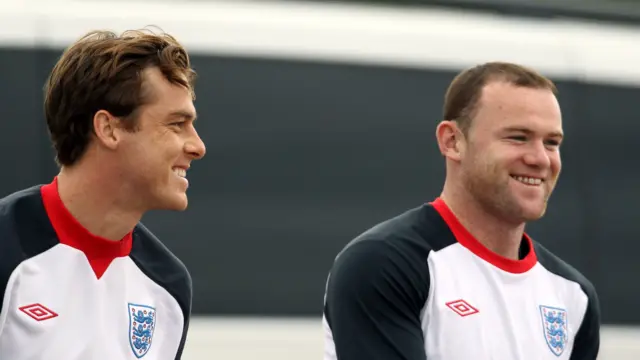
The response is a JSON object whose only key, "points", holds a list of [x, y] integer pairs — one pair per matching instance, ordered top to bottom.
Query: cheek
{"points": [[170, 145], [164, 148], [146, 158], [492, 160], [556, 162], [482, 169]]}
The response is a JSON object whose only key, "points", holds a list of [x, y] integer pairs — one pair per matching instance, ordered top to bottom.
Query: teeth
{"points": [[180, 172], [528, 180]]}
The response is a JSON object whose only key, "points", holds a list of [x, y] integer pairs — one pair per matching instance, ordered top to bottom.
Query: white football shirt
{"points": [[421, 287], [68, 294]]}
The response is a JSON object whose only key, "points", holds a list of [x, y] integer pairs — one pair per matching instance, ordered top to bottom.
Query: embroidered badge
{"points": [[142, 323], [554, 323]]}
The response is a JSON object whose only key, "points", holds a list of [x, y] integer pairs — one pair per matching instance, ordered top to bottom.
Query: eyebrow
{"points": [[188, 115], [557, 134]]}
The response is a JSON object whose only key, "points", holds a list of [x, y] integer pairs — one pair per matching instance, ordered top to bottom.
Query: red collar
{"points": [[467, 240], [99, 251]]}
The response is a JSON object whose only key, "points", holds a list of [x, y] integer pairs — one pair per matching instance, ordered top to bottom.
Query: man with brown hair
{"points": [[81, 277], [458, 278]]}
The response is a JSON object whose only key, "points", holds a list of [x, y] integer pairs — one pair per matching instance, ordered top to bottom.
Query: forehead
{"points": [[163, 94], [503, 105]]}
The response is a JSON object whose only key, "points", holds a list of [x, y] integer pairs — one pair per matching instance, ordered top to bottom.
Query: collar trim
{"points": [[466, 239], [100, 252]]}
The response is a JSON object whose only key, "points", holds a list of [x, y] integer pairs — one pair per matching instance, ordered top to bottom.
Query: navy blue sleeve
{"points": [[25, 232], [159, 264], [374, 296], [187, 314], [587, 342]]}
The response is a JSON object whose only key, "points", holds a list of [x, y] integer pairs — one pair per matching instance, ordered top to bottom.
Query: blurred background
{"points": [[319, 119]]}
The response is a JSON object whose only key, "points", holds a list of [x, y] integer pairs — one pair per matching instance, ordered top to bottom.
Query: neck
{"points": [[98, 201], [497, 235]]}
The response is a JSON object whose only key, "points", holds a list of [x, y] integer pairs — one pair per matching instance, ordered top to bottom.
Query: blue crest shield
{"points": [[142, 323], [554, 323]]}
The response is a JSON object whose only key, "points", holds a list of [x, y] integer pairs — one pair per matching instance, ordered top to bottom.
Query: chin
{"points": [[175, 202], [182, 204], [180, 207], [532, 212]]}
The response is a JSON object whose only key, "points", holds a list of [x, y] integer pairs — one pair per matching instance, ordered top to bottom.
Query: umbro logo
{"points": [[462, 307], [38, 312]]}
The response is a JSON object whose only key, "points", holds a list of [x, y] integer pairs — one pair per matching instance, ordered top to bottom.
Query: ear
{"points": [[105, 128], [450, 140]]}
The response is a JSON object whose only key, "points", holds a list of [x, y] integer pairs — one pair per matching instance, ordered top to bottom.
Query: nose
{"points": [[195, 146], [537, 155]]}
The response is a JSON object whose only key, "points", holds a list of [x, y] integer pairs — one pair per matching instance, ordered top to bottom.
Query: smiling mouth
{"points": [[180, 172], [532, 181]]}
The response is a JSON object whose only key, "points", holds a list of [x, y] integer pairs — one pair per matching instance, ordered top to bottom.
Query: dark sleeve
{"points": [[25, 232], [157, 262], [374, 297], [187, 314], [587, 341]]}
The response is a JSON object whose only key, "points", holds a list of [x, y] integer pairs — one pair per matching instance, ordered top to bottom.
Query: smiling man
{"points": [[81, 277], [458, 278]]}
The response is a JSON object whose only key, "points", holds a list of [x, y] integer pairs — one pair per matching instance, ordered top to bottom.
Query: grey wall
{"points": [[304, 156]]}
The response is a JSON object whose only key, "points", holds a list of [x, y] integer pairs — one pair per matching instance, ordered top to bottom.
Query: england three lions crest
{"points": [[142, 323], [554, 323]]}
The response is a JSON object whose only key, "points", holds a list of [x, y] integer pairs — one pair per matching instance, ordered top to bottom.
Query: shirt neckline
{"points": [[466, 239], [99, 251]]}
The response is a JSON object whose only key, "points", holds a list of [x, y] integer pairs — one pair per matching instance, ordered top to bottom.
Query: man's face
{"points": [[157, 155], [512, 160]]}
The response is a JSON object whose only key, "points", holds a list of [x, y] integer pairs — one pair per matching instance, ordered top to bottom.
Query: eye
{"points": [[177, 124], [518, 138], [552, 143]]}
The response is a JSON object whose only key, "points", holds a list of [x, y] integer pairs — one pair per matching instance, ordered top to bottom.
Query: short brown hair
{"points": [[103, 71], [463, 94]]}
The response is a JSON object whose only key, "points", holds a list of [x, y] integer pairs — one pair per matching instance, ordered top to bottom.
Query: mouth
{"points": [[180, 172], [528, 180]]}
